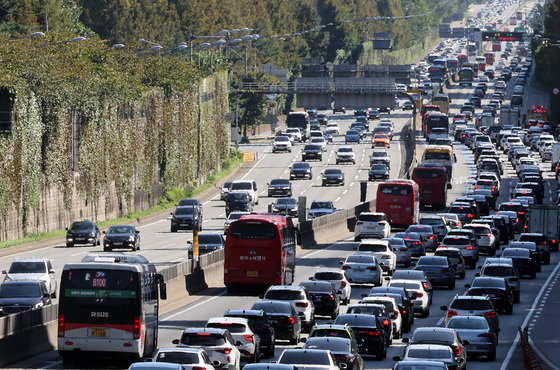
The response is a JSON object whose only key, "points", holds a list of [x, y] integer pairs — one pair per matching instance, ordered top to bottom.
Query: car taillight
{"points": [[476, 187], [520, 213], [470, 215], [517, 220], [359, 223], [526, 226], [488, 235], [431, 237], [416, 243], [542, 243], [470, 248], [403, 249], [385, 256], [345, 267], [373, 268], [513, 279], [343, 284], [426, 285], [419, 294], [328, 297], [302, 304], [403, 311], [451, 313], [490, 314], [289, 320], [386, 322], [61, 326], [137, 328], [375, 333], [248, 337], [456, 350], [225, 351], [348, 358], [198, 368]]}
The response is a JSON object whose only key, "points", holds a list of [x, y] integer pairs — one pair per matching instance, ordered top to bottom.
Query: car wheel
{"points": [[173, 229], [69, 245], [407, 264], [533, 275], [462, 276], [452, 285], [53, 294], [516, 298], [509, 310], [426, 312], [334, 315], [294, 340], [381, 354], [492, 356]]}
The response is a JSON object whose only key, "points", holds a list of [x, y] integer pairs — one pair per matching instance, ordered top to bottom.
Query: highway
{"points": [[539, 297]]}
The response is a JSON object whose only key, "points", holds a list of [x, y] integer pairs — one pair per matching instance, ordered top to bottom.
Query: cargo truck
{"points": [[509, 116], [555, 159], [545, 219]]}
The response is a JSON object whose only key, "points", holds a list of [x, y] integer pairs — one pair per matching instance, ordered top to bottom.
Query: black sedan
{"points": [[300, 170], [378, 171], [333, 176], [280, 187], [83, 232], [121, 236], [207, 243], [496, 288], [18, 296], [283, 317], [260, 323], [370, 334], [345, 350]]}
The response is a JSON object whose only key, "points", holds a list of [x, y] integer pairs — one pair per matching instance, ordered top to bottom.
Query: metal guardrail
{"points": [[322, 87], [20, 321]]}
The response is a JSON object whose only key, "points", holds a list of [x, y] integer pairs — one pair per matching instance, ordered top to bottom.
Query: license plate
{"points": [[183, 224], [80, 238], [118, 243], [359, 270], [252, 274], [98, 332]]}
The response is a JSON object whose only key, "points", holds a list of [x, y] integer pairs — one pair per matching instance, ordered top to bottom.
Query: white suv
{"points": [[281, 144], [345, 154], [249, 186], [372, 225], [484, 238], [382, 251], [33, 269], [337, 278], [416, 290], [298, 298], [246, 340], [218, 343]]}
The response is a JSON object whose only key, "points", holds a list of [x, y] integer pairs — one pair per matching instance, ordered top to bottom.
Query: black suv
{"points": [[312, 151], [300, 170], [280, 188], [238, 201], [191, 202], [186, 218], [83, 232], [541, 242], [497, 288], [324, 297], [260, 324], [363, 325]]}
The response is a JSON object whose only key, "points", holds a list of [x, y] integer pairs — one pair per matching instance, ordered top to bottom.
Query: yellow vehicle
{"points": [[440, 154]]}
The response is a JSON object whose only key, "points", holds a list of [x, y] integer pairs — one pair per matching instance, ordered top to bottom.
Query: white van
{"points": [[249, 186]]}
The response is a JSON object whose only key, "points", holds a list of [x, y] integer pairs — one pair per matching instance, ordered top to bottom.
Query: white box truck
{"points": [[509, 116], [555, 158], [545, 219]]}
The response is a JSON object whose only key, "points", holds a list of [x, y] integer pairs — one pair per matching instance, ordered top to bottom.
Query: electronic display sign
{"points": [[502, 36]]}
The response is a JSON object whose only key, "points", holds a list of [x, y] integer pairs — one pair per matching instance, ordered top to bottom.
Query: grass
{"points": [[401, 56], [171, 198]]}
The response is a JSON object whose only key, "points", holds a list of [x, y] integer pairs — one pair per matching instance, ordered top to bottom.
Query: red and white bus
{"points": [[435, 120], [432, 183], [400, 201], [260, 251], [109, 307]]}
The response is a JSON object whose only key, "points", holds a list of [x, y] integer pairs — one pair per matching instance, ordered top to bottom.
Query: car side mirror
{"points": [[171, 213], [66, 228], [137, 231], [104, 232], [189, 241], [340, 262], [479, 267], [4, 271], [51, 271], [477, 274], [311, 278], [387, 278], [467, 286], [339, 292], [46, 295], [364, 295], [443, 308], [301, 313], [302, 340], [406, 340], [175, 341], [466, 342], [238, 343], [396, 358], [216, 363], [342, 365]]}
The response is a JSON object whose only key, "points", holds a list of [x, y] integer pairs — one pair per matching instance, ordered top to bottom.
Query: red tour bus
{"points": [[435, 120], [432, 184], [399, 200], [260, 251]]}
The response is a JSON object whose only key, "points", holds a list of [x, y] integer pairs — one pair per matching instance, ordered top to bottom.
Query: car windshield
{"points": [[282, 138], [312, 147], [345, 150], [379, 154], [300, 166], [378, 167], [332, 171], [280, 182], [238, 197], [286, 201], [318, 205], [184, 210], [235, 216], [431, 221], [81, 226], [420, 229], [120, 230], [209, 239], [455, 241], [372, 248], [357, 258], [430, 261], [27, 268], [328, 276], [488, 283], [407, 285], [317, 287], [20, 290], [284, 295], [471, 304], [272, 307], [366, 310], [356, 320], [467, 323], [232, 327], [328, 332], [433, 336], [202, 339], [334, 346], [443, 354], [177, 357], [301, 357]]}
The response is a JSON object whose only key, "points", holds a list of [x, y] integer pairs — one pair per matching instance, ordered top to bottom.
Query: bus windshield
{"points": [[437, 156], [402, 190], [246, 230]]}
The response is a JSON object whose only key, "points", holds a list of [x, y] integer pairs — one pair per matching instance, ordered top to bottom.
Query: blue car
{"points": [[352, 136]]}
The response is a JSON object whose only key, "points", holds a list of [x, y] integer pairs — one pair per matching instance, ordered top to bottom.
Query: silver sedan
{"points": [[361, 268], [481, 339]]}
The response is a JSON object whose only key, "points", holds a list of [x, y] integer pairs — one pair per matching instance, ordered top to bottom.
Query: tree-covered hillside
{"points": [[296, 22]]}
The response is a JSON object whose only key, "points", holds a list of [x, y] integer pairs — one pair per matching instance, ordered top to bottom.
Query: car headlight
{"points": [[324, 178], [131, 238], [70, 239], [37, 305]]}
